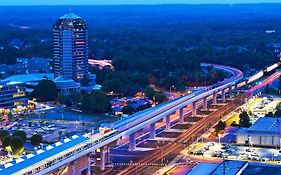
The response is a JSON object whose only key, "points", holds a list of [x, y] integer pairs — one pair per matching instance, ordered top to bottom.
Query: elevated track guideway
{"points": [[139, 120]]}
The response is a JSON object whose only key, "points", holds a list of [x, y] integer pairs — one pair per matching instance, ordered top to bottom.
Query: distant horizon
{"points": [[131, 2], [179, 4]]}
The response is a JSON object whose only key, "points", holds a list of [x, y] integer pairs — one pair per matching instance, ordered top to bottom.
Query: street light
{"points": [[249, 140]]}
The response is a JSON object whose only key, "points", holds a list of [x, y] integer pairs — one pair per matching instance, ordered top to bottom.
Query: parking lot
{"points": [[259, 107], [51, 131], [235, 152]]}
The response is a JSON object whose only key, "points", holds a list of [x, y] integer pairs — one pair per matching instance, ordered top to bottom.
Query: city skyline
{"points": [[123, 2]]}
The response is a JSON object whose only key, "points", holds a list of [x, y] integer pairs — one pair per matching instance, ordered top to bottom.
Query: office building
{"points": [[71, 48], [12, 95]]}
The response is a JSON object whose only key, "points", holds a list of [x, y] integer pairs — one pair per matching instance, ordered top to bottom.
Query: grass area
{"points": [[233, 118]]}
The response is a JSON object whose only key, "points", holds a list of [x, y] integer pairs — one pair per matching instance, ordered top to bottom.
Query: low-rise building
{"points": [[35, 64], [27, 66], [66, 85], [12, 95], [265, 131]]}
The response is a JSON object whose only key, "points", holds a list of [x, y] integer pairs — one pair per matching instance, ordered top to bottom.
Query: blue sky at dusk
{"points": [[106, 2]]}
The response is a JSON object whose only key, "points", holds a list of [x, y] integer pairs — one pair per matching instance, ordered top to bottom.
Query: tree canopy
{"points": [[46, 90], [160, 97], [96, 102], [128, 109], [244, 120], [220, 126], [3, 133], [21, 134], [36, 139], [6, 141], [16, 144]]}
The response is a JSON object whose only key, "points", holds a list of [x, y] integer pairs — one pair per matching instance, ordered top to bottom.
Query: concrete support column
{"points": [[247, 84], [236, 87], [230, 90], [223, 95], [214, 98], [205, 104], [194, 108], [181, 119], [168, 122], [152, 132], [132, 142], [108, 155], [102, 159], [89, 165], [73, 167]]}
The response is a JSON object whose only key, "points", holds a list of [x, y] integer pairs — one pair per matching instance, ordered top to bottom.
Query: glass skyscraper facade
{"points": [[70, 48]]}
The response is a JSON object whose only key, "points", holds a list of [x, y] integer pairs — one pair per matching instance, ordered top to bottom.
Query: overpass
{"points": [[128, 127]]}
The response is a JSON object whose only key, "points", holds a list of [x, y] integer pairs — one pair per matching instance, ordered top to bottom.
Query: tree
{"points": [[140, 78], [115, 85], [46, 90], [149, 92], [160, 97], [70, 99], [99, 102], [86, 103], [143, 107], [128, 109], [278, 113], [270, 114], [244, 120], [220, 126], [3, 133], [21, 134], [36, 139], [6, 141], [16, 144]]}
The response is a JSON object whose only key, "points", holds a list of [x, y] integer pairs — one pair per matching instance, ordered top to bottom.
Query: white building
{"points": [[264, 132]]}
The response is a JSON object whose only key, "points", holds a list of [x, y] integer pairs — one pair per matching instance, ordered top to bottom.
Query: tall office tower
{"points": [[70, 48]]}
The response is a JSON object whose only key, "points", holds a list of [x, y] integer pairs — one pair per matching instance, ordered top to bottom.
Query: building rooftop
{"points": [[70, 15], [23, 78], [63, 82], [264, 125], [41, 154], [229, 167], [203, 169]]}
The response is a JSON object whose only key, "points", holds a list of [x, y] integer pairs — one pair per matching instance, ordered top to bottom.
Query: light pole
{"points": [[249, 139]]}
